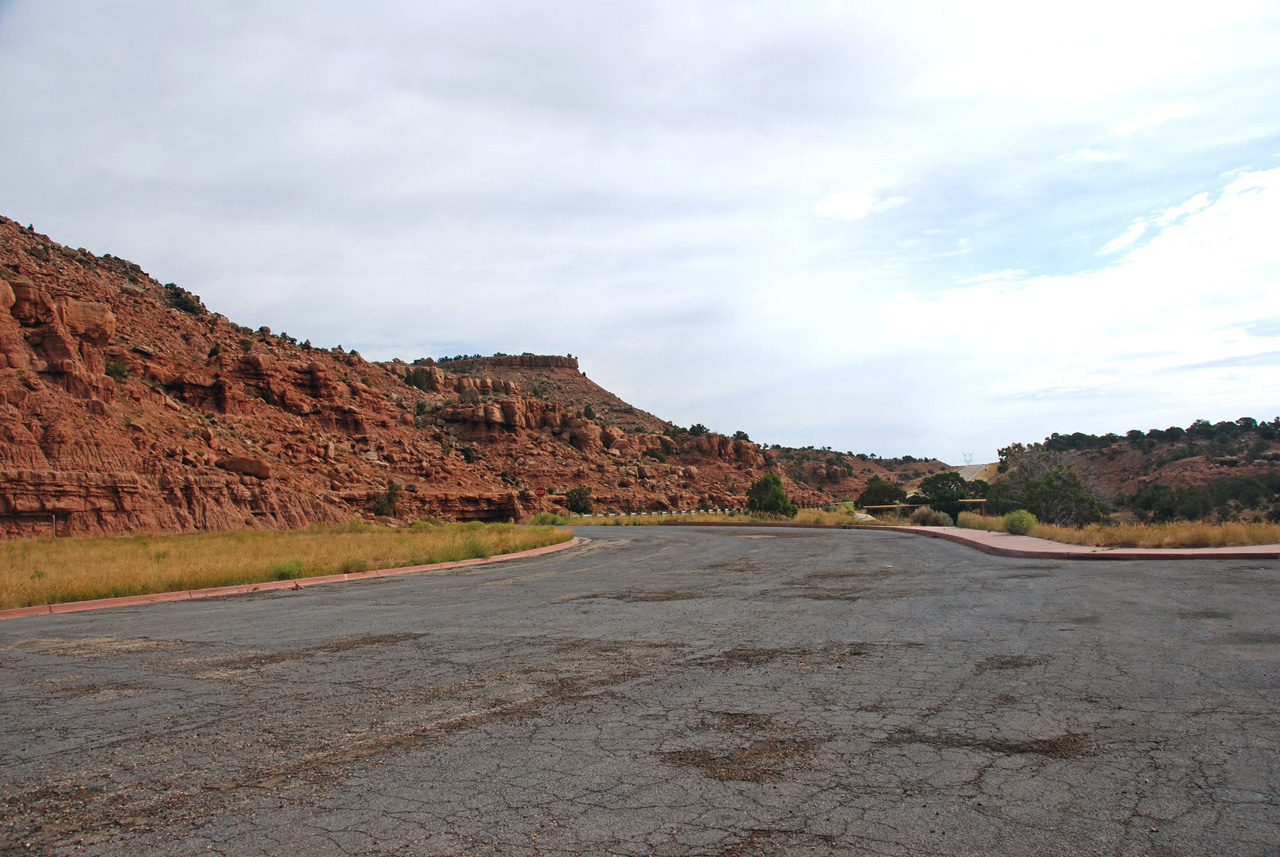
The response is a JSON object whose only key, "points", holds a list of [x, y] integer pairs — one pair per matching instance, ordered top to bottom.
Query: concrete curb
{"points": [[1024, 547], [1031, 547], [271, 585]]}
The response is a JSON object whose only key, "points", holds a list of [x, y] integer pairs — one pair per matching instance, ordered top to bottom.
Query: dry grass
{"points": [[974, 521], [1180, 534], [50, 571]]}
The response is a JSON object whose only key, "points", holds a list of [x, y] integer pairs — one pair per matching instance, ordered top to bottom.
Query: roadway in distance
{"points": [[664, 690]]}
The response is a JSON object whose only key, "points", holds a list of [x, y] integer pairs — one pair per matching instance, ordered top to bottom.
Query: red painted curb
{"points": [[1093, 553], [270, 585]]}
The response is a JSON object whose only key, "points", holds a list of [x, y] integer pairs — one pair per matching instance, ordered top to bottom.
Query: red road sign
{"points": [[540, 491]]}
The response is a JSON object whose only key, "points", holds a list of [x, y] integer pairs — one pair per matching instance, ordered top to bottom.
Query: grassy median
{"points": [[50, 571]]}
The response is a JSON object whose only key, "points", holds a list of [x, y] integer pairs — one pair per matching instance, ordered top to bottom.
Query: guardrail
{"points": [[895, 507], [672, 512]]}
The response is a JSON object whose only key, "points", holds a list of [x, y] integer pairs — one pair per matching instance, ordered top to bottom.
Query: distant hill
{"points": [[1224, 470]]}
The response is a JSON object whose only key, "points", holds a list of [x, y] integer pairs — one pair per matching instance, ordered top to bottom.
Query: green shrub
{"points": [[183, 300], [215, 350], [117, 370], [417, 377], [589, 412], [943, 492], [881, 493], [766, 495], [578, 500], [385, 504], [546, 519], [1019, 522], [352, 565], [290, 570]]}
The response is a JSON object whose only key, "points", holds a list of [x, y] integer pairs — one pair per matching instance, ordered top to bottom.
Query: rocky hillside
{"points": [[126, 405], [1224, 470]]}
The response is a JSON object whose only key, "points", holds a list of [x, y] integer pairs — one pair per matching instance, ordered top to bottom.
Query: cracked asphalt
{"points": [[664, 691]]}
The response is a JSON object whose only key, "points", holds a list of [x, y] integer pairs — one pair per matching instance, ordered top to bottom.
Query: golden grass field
{"points": [[50, 571]]}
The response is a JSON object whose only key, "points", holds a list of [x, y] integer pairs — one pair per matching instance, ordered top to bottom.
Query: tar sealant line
{"points": [[271, 585]]}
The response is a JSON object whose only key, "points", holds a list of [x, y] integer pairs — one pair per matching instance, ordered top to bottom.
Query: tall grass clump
{"points": [[974, 521], [51, 571]]}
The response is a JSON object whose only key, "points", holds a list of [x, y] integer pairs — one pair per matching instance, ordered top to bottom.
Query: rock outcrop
{"points": [[127, 406]]}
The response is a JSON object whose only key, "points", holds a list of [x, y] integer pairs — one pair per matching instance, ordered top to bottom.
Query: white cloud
{"points": [[1150, 120], [1089, 154], [855, 205], [1191, 206], [1135, 231], [1007, 275], [1156, 331]]}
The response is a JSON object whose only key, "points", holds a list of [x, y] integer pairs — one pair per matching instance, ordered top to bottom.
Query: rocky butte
{"points": [[126, 406]]}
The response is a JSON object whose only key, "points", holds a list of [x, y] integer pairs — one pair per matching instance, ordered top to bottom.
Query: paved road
{"points": [[665, 691]]}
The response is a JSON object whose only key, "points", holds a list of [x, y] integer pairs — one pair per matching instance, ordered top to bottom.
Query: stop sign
{"points": [[540, 491]]}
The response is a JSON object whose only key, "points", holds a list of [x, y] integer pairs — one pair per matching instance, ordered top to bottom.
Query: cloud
{"points": [[1144, 121], [1090, 154], [856, 205], [1191, 206], [1135, 231], [1007, 275], [1264, 328], [1105, 349], [1265, 358]]}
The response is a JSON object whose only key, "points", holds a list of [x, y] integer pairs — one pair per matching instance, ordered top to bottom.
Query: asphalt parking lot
{"points": [[665, 690]]}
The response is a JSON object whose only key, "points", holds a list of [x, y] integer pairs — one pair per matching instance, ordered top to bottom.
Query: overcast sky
{"points": [[908, 227]]}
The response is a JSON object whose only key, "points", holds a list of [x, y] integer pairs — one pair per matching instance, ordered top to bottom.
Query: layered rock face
{"points": [[126, 406]]}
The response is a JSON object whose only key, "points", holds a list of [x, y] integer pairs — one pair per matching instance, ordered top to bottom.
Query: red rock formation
{"points": [[126, 406]]}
